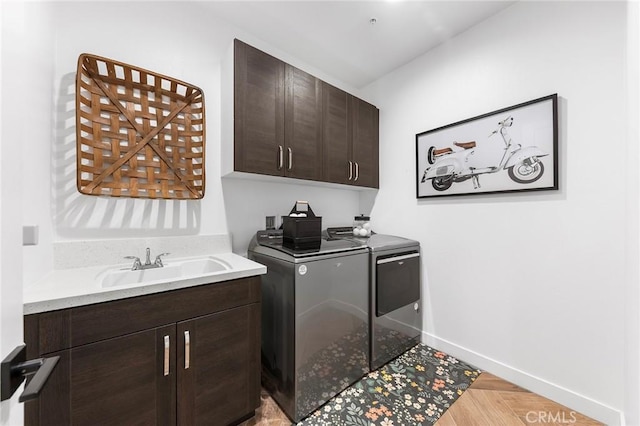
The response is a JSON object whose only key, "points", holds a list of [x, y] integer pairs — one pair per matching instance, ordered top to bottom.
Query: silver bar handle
{"points": [[280, 157], [290, 158], [350, 170], [357, 171], [397, 258], [187, 349], [166, 355]]}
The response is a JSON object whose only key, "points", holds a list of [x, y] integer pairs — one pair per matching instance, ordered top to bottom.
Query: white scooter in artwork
{"points": [[448, 166]]}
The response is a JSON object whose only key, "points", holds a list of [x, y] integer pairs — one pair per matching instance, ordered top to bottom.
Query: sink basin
{"points": [[172, 271]]}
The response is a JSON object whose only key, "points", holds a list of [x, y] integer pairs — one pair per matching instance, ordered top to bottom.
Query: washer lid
{"points": [[273, 239], [376, 242], [379, 242]]}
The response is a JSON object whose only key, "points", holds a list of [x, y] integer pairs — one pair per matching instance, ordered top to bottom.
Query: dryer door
{"points": [[398, 281], [396, 317]]}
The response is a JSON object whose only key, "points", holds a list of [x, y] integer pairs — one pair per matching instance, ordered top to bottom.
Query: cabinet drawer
{"points": [[57, 330]]}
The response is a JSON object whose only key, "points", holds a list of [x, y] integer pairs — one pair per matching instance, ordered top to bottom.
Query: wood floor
{"points": [[490, 401], [493, 401], [269, 414]]}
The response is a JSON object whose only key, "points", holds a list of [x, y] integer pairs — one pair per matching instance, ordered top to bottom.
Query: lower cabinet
{"points": [[200, 367], [216, 376], [116, 381]]}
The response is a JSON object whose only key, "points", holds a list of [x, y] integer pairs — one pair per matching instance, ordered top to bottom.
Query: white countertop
{"points": [[66, 288]]}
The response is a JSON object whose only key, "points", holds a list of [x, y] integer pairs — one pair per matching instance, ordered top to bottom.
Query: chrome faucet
{"points": [[158, 262], [137, 264]]}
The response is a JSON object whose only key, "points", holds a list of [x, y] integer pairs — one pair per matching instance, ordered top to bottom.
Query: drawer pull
{"points": [[187, 349], [166, 355]]}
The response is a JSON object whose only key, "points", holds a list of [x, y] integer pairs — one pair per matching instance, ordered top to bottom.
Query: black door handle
{"points": [[15, 368]]}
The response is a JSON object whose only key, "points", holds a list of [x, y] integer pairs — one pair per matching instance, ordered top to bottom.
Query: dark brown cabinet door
{"points": [[258, 111], [289, 123], [303, 125], [336, 135], [350, 139], [365, 143], [218, 375], [113, 382], [52, 407]]}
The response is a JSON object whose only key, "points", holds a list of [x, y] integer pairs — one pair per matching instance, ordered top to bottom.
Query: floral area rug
{"points": [[414, 389]]}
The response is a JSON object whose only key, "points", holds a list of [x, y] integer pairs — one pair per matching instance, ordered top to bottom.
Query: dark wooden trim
{"points": [[54, 331], [47, 332], [32, 335], [254, 348], [53, 407]]}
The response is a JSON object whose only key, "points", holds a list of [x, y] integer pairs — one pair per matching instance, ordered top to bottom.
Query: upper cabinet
{"points": [[259, 94], [278, 117], [287, 122], [303, 125], [337, 130], [350, 139], [364, 145]]}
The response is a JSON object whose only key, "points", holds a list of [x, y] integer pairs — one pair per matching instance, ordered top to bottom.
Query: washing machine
{"points": [[395, 302], [315, 320]]}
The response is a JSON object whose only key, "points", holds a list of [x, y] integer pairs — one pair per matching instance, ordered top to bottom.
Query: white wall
{"points": [[172, 40], [181, 40], [34, 102], [14, 119], [248, 202], [530, 286], [632, 297]]}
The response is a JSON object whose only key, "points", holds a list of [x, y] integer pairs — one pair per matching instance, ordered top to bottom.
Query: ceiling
{"points": [[338, 38]]}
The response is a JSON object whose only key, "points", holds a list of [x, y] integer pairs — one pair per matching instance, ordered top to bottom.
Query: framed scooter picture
{"points": [[510, 150]]}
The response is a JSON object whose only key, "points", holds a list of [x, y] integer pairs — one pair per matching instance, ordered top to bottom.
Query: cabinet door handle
{"points": [[280, 157], [290, 158], [350, 170], [357, 171], [187, 349], [166, 355]]}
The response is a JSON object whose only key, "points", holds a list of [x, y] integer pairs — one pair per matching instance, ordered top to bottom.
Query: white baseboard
{"points": [[566, 397]]}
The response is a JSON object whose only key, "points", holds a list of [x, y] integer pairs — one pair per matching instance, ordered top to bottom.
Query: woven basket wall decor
{"points": [[138, 133]]}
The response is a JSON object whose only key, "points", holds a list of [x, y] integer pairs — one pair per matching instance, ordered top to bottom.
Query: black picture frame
{"points": [[513, 149]]}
